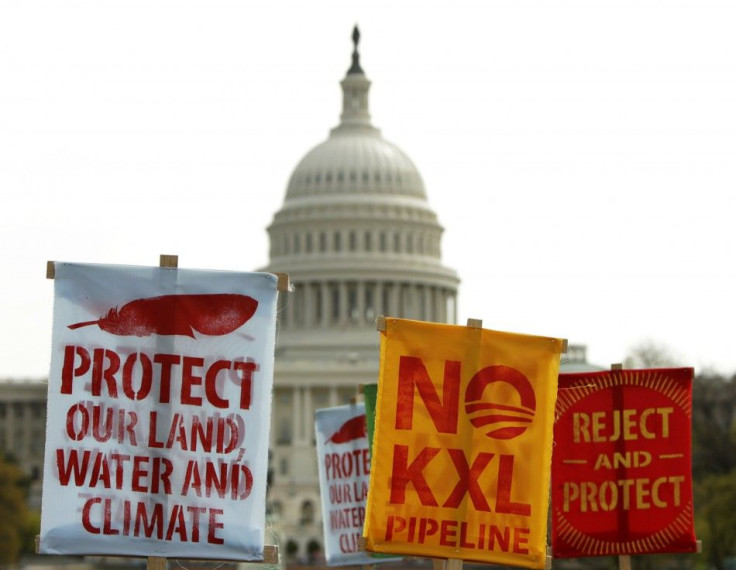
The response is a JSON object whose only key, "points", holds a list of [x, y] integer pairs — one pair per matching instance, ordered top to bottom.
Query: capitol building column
{"points": [[360, 292], [308, 305], [378, 307], [324, 316]]}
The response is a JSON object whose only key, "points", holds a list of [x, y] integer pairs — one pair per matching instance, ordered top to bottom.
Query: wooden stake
{"points": [[171, 261], [283, 284], [270, 554], [156, 563], [447, 564]]}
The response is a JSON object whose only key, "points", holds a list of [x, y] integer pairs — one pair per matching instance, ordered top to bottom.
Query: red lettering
{"points": [[167, 361], [69, 371], [101, 371], [412, 372], [133, 375], [146, 376], [188, 379], [246, 382], [211, 383], [71, 414], [123, 427], [102, 431], [202, 432], [177, 433], [152, 441], [119, 459], [72, 467], [101, 472], [139, 472], [402, 474], [162, 477], [212, 481], [247, 482], [468, 482], [504, 504], [195, 521], [86, 522], [107, 523], [155, 524], [177, 524], [394, 525], [427, 527], [447, 532], [212, 538], [499, 538], [521, 540], [463, 542]]}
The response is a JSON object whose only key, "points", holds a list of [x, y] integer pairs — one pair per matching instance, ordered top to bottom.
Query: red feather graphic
{"points": [[214, 315], [354, 428]]}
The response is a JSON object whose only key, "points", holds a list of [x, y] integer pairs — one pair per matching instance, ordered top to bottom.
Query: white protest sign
{"points": [[159, 408], [343, 458]]}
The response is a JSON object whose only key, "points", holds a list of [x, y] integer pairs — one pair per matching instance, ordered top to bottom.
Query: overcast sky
{"points": [[580, 154]]}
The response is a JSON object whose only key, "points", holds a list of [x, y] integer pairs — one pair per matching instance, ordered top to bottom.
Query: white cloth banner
{"points": [[159, 408], [343, 459]]}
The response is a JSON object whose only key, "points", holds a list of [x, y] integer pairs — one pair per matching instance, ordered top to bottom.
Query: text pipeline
{"points": [[456, 534]]}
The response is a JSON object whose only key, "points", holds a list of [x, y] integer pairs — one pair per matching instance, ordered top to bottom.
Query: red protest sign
{"points": [[621, 466]]}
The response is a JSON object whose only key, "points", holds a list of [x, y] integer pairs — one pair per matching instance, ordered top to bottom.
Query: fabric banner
{"points": [[370, 395], [159, 405], [462, 448], [343, 460], [621, 471]]}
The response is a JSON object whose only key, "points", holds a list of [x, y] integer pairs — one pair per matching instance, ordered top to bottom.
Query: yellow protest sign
{"points": [[463, 444]]}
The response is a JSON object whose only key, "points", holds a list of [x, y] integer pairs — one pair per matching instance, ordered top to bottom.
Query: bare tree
{"points": [[650, 354]]}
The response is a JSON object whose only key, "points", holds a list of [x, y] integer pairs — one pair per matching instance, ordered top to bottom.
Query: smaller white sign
{"points": [[343, 457]]}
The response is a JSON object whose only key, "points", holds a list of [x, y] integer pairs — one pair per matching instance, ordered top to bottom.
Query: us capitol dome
{"points": [[358, 239]]}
